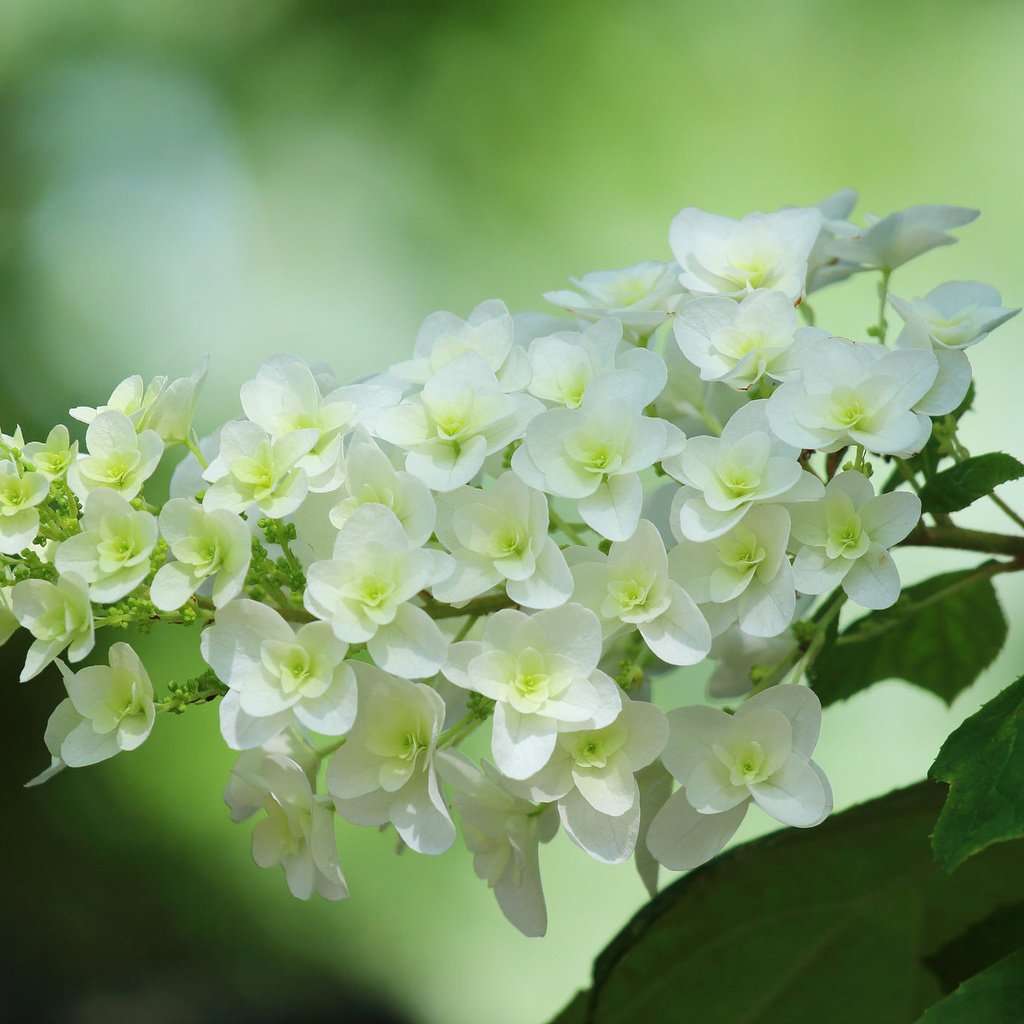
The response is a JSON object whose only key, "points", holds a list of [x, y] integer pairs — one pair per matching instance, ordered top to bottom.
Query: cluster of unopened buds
{"points": [[514, 530]]}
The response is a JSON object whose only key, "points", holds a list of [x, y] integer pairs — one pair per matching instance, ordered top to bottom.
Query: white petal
{"points": [[521, 744], [794, 795], [680, 838], [609, 839]]}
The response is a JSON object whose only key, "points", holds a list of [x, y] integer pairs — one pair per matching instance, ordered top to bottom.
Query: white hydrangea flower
{"points": [[889, 242], [721, 256], [823, 267], [642, 296], [956, 315], [949, 319], [488, 332], [738, 343], [566, 363], [851, 393], [132, 398], [284, 398], [693, 405], [171, 412], [461, 416], [594, 454], [53, 456], [118, 459], [254, 469], [727, 476], [370, 478], [20, 493], [500, 536], [845, 539], [208, 545], [112, 552], [742, 575], [632, 588], [365, 589], [58, 615], [736, 653], [542, 671], [277, 676], [115, 706], [62, 722], [761, 753], [385, 771], [591, 776], [243, 796], [298, 831], [503, 832]]}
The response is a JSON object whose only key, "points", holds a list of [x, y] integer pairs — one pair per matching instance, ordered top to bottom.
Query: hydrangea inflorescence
{"points": [[512, 531]]}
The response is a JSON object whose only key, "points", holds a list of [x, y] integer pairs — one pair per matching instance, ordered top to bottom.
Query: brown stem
{"points": [[965, 540]]}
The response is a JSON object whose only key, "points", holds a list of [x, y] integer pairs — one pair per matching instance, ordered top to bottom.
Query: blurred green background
{"points": [[242, 178]]}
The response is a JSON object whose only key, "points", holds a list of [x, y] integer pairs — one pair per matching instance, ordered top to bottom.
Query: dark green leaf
{"points": [[963, 484], [940, 635], [983, 762], [826, 924], [998, 935], [996, 996]]}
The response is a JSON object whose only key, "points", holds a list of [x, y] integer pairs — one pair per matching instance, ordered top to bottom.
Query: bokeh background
{"points": [[252, 176]]}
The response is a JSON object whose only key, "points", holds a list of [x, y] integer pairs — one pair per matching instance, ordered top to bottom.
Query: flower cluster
{"points": [[512, 532]]}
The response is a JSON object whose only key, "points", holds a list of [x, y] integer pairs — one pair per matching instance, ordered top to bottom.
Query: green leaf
{"points": [[963, 484], [940, 635], [983, 762], [829, 924], [985, 942], [996, 995]]}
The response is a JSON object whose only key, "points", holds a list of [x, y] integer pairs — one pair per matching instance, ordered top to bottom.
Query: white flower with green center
{"points": [[888, 242], [728, 257], [641, 296], [956, 315], [488, 332], [738, 343], [565, 364], [851, 393], [132, 398], [285, 398], [173, 409], [461, 416], [594, 454], [53, 456], [118, 458], [254, 469], [726, 476], [370, 478], [20, 493], [500, 537], [844, 539], [208, 545], [112, 552], [742, 575], [632, 588], [365, 589], [58, 615], [542, 671], [277, 676], [114, 703], [762, 753], [385, 771], [591, 776], [298, 831], [503, 831]]}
